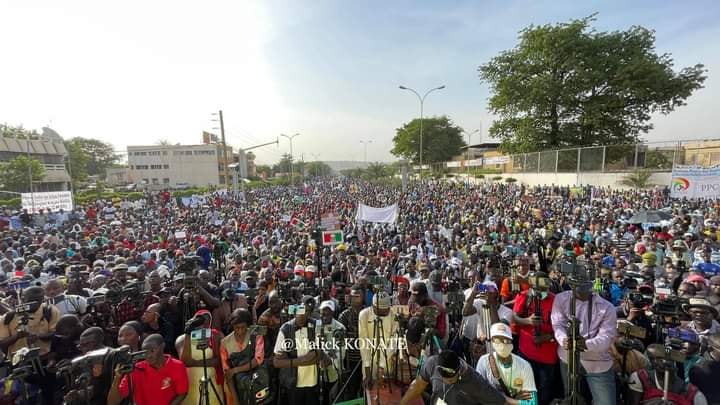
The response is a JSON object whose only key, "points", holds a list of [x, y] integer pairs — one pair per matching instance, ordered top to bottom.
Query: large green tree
{"points": [[569, 85], [10, 131], [442, 140], [98, 155], [317, 168], [14, 173]]}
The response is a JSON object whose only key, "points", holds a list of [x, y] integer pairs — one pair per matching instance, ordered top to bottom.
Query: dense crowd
{"points": [[482, 294]]}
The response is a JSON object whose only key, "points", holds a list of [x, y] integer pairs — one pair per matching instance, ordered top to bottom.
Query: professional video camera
{"points": [[188, 267], [639, 300], [677, 337], [25, 363]]}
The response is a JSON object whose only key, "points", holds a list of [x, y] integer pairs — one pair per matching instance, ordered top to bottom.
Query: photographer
{"points": [[419, 299], [633, 309], [350, 321], [375, 325], [34, 326], [597, 330], [331, 334], [537, 344], [190, 350], [241, 353], [297, 358], [157, 380], [452, 382], [99, 384], [647, 385]]}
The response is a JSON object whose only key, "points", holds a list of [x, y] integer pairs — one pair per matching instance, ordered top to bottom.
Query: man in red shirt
{"points": [[537, 343], [157, 380]]}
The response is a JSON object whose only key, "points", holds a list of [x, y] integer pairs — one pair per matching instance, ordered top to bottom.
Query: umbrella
{"points": [[653, 216]]}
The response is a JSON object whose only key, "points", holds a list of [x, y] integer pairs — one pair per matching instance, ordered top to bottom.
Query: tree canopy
{"points": [[568, 85], [442, 140], [98, 155], [15, 173]]}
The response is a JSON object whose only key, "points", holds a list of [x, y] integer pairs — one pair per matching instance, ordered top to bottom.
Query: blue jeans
{"points": [[602, 385]]}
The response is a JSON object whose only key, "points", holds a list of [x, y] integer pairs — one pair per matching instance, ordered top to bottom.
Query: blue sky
{"points": [[328, 70]]}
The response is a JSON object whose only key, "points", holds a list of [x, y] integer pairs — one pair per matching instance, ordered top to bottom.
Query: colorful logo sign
{"points": [[680, 184]]}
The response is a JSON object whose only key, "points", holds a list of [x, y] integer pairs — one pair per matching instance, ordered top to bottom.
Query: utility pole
{"points": [[422, 106], [290, 138], [366, 145], [224, 151], [30, 177]]}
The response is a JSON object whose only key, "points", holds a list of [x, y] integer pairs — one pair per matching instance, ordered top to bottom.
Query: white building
{"points": [[171, 166]]}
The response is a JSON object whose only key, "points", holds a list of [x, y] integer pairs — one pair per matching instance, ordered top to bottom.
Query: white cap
{"points": [[328, 304], [500, 329]]}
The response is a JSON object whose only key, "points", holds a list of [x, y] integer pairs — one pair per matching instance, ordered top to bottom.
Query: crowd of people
{"points": [[481, 294]]}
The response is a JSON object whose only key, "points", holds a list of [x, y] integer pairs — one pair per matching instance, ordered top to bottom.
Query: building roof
{"points": [[483, 146], [37, 147]]}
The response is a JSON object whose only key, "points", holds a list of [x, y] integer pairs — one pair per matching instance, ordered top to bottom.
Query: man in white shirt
{"points": [[65, 303], [376, 328], [331, 333], [297, 358], [508, 373]]}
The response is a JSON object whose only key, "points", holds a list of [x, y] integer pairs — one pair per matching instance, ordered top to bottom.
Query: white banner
{"points": [[496, 160], [474, 162], [453, 164], [695, 182], [53, 201], [387, 215]]}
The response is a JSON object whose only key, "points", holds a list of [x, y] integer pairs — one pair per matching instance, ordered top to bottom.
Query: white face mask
{"points": [[502, 349]]}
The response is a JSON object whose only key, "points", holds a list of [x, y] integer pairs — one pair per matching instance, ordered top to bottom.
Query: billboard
{"points": [[695, 182]]}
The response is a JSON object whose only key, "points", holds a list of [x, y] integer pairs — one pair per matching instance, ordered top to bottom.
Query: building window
{"points": [[205, 152], [140, 153], [154, 153], [164, 153], [132, 167], [141, 167], [155, 167], [166, 167], [145, 181], [155, 181], [166, 181]]}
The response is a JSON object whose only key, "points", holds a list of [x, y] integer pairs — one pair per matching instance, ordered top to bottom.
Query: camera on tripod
{"points": [[188, 267], [629, 334]]}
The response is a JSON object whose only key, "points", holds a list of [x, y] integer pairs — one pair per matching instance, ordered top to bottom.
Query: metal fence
{"points": [[653, 156]]}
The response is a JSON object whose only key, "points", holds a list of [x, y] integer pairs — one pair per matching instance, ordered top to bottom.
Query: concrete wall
{"points": [[195, 165], [574, 179]]}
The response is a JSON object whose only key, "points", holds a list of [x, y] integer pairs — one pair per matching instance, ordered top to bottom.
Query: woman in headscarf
{"points": [[189, 347], [242, 353]]}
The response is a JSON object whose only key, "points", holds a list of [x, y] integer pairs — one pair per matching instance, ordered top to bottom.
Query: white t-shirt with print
{"points": [[518, 377]]}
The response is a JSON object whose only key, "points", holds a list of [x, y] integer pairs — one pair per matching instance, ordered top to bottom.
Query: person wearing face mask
{"points": [[597, 318], [537, 343], [508, 372], [452, 382]]}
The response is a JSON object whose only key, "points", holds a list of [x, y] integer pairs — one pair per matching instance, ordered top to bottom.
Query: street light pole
{"points": [[422, 104], [290, 138], [366, 145], [316, 156]]}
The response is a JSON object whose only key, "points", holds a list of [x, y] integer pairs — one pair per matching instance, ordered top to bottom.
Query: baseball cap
{"points": [[328, 304], [501, 330]]}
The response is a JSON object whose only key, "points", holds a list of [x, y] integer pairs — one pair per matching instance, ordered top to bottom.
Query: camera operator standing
{"points": [[703, 317], [350, 320], [34, 326], [597, 330], [331, 333], [537, 344], [297, 358], [157, 380]]}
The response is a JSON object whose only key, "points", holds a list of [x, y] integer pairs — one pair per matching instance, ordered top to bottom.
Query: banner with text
{"points": [[695, 182], [53, 201], [387, 215]]}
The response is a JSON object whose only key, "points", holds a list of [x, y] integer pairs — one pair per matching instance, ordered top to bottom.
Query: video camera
{"points": [[188, 266], [638, 300], [667, 304], [628, 334], [677, 337], [25, 363]]}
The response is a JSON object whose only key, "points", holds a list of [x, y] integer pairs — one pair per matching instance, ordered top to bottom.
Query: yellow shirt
{"points": [[37, 325]]}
